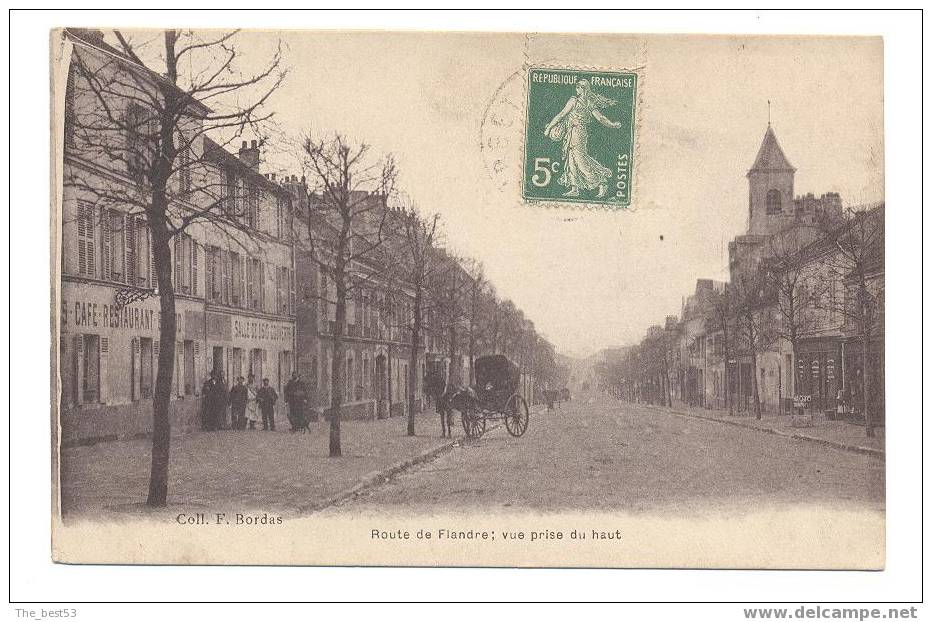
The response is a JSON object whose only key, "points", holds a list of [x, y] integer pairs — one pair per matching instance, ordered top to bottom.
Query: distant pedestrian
{"points": [[239, 395], [296, 396], [266, 399], [252, 405]]}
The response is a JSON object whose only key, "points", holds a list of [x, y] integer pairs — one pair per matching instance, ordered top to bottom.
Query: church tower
{"points": [[770, 181]]}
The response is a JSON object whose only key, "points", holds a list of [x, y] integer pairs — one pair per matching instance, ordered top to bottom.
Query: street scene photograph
{"points": [[482, 299]]}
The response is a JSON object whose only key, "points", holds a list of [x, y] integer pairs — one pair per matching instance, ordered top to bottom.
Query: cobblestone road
{"points": [[608, 455]]}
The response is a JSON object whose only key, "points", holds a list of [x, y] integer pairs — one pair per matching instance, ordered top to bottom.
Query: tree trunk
{"points": [[412, 365], [865, 375], [337, 380], [161, 407], [757, 411]]}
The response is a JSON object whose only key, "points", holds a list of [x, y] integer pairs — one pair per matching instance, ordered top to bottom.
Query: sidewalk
{"points": [[837, 434], [250, 470]]}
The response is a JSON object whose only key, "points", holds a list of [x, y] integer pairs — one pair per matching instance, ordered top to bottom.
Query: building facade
{"points": [[234, 285]]}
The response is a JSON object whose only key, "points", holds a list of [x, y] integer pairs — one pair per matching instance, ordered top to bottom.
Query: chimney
{"points": [[249, 155]]}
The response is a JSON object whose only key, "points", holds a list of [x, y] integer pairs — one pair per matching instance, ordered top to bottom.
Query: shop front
{"points": [[109, 361], [820, 372]]}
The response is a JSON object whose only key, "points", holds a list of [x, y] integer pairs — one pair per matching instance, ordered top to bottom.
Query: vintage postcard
{"points": [[467, 299]]}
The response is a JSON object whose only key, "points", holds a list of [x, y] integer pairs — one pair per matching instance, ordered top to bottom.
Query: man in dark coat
{"points": [[296, 396], [238, 398], [267, 398], [213, 403]]}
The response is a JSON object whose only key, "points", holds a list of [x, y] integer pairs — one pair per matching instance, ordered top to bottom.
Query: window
{"points": [[140, 128], [184, 167], [231, 196], [774, 202], [252, 206], [115, 246], [142, 253], [87, 259], [186, 264], [214, 273], [236, 279], [256, 284], [281, 290], [145, 367], [90, 378]]}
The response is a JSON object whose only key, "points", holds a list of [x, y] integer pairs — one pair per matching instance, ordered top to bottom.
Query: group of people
{"points": [[250, 405]]}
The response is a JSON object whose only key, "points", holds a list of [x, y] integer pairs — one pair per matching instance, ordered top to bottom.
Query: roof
{"points": [[93, 39], [216, 152], [770, 156]]}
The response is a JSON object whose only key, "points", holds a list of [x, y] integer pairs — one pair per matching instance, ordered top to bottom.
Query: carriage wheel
{"points": [[517, 417], [473, 423]]}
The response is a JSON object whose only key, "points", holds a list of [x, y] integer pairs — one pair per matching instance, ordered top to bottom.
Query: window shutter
{"points": [[106, 244], [194, 254], [210, 254], [129, 257], [243, 262], [177, 272], [225, 275], [247, 275], [153, 277], [261, 285], [292, 300], [134, 368], [78, 369], [103, 373]]}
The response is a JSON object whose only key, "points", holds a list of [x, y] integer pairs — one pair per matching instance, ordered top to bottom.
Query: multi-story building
{"points": [[778, 224], [233, 285], [376, 335]]}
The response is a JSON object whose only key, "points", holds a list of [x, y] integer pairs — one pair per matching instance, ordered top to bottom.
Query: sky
{"points": [[590, 279]]}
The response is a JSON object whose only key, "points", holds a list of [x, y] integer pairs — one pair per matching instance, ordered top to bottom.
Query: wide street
{"points": [[598, 454]]}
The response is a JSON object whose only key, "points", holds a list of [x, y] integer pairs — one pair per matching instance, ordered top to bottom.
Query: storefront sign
{"points": [[88, 314], [261, 330], [801, 401]]}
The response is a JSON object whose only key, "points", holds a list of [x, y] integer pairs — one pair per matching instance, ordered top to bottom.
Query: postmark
{"points": [[579, 136]]}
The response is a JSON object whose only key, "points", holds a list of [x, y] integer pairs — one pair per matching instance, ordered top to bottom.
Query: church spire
{"points": [[770, 156]]}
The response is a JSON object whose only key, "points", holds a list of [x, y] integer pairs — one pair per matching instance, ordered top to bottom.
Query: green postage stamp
{"points": [[579, 136]]}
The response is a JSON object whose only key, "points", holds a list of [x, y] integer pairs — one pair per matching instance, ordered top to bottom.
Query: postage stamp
{"points": [[579, 136]]}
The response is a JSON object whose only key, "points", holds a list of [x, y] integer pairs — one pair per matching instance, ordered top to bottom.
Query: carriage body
{"points": [[495, 396]]}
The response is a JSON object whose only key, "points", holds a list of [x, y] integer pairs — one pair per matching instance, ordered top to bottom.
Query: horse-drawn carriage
{"points": [[495, 396]]}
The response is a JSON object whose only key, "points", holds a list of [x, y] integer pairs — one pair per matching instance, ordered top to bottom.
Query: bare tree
{"points": [[142, 111], [347, 224], [856, 260], [419, 262], [789, 276], [477, 287], [722, 319], [753, 320]]}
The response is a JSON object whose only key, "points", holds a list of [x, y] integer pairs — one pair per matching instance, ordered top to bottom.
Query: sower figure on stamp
{"points": [[571, 125], [266, 399]]}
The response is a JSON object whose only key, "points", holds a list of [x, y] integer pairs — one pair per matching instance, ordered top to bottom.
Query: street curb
{"points": [[869, 451], [374, 478]]}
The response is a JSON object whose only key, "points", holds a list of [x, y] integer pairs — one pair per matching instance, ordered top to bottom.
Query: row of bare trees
{"points": [[140, 113], [805, 281]]}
